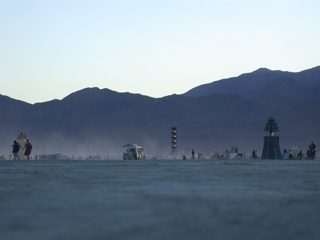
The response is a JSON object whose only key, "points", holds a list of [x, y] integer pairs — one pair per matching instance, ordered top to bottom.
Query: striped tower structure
{"points": [[174, 140]]}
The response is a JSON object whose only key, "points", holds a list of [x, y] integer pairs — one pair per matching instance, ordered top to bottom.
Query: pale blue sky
{"points": [[51, 48]]}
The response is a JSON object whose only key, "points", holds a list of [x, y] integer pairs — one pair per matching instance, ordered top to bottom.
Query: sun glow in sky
{"points": [[51, 48]]}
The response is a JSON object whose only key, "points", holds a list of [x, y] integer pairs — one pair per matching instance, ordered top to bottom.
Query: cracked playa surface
{"points": [[160, 199]]}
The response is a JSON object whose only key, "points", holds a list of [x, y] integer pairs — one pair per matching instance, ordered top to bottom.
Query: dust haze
{"points": [[86, 145]]}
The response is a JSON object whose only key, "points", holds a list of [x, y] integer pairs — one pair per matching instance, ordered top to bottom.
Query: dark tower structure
{"points": [[174, 140], [271, 147]]}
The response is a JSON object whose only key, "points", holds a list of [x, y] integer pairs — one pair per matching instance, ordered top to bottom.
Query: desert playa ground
{"points": [[160, 199]]}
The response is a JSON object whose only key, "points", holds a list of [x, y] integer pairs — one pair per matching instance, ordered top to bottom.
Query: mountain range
{"points": [[299, 86], [211, 117]]}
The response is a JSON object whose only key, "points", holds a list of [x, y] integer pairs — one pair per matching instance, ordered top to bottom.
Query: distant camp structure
{"points": [[271, 146], [133, 152], [54, 156]]}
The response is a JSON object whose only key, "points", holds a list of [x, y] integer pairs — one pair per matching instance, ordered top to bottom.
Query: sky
{"points": [[51, 48]]}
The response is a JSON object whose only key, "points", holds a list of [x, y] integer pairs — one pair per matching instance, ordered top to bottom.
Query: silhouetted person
{"points": [[312, 146], [16, 147], [27, 148], [312, 150], [192, 154], [254, 154], [285, 154], [290, 154], [308, 154], [300, 155]]}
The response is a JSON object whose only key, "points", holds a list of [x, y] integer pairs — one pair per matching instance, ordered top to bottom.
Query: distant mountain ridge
{"points": [[299, 86], [93, 121]]}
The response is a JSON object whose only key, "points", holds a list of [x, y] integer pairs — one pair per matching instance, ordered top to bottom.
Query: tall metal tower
{"points": [[174, 140]]}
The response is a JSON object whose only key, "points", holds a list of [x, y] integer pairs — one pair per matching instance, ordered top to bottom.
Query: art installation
{"points": [[271, 147]]}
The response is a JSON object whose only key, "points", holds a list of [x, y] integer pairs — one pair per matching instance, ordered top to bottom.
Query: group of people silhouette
{"points": [[17, 146], [310, 153]]}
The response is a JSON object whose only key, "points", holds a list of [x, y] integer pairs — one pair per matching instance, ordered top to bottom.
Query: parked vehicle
{"points": [[133, 152]]}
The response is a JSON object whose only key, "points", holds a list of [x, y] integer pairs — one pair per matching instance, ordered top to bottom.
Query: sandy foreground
{"points": [[160, 199]]}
